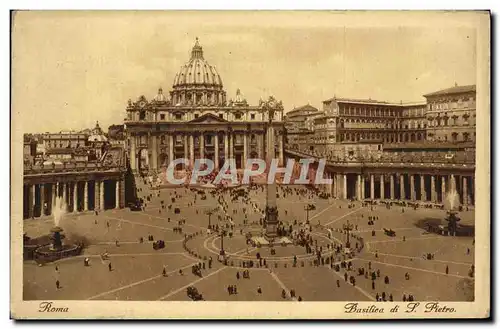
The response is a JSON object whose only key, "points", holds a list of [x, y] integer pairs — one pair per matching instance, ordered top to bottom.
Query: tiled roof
{"points": [[453, 90]]}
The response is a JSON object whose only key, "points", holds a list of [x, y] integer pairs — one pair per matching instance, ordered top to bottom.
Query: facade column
{"points": [[216, 142], [202, 145], [231, 145], [186, 146], [226, 146], [259, 146], [170, 149], [191, 150], [245, 150], [154, 152], [280, 152], [133, 163], [363, 184], [335, 185], [392, 186], [358, 187], [372, 187], [382, 187], [412, 188], [433, 189], [443, 189], [122, 192], [117, 194], [465, 194], [101, 195], [402, 195], [423, 195], [65, 196], [75, 196], [86, 196], [344, 196], [42, 199]]}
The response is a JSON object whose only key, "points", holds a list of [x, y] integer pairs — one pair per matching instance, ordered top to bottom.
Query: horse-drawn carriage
{"points": [[389, 232], [160, 244], [193, 293]]}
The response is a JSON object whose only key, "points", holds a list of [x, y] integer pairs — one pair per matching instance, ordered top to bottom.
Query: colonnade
{"points": [[420, 187], [44, 199]]}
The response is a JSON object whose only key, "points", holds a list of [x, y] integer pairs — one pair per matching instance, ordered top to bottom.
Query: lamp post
{"points": [[308, 208], [210, 212], [347, 228], [222, 233]]}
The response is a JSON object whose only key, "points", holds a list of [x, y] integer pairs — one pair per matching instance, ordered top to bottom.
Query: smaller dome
{"points": [[160, 97]]}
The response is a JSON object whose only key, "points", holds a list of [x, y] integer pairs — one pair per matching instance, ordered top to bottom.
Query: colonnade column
{"points": [[216, 141], [202, 145], [170, 149], [191, 149], [245, 150], [132, 153], [392, 186], [372, 187], [382, 187], [412, 188], [433, 189], [443, 189], [122, 192], [97, 193], [117, 194], [465, 194], [101, 195], [402, 195], [423, 195], [75, 196], [86, 196], [65, 198], [42, 199], [31, 200]]}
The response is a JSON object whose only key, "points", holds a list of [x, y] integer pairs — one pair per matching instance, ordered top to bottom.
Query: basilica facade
{"points": [[196, 120]]}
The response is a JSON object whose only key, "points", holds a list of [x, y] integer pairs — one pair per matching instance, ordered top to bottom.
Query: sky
{"points": [[71, 69]]}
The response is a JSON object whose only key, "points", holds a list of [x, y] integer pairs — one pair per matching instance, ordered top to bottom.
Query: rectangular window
{"points": [[221, 115], [162, 116], [178, 116], [196, 116], [237, 116], [252, 116]]}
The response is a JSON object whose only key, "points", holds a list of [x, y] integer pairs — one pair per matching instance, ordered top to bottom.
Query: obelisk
{"points": [[271, 207]]}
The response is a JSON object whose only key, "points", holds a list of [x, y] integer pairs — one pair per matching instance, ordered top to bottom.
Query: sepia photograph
{"points": [[262, 164]]}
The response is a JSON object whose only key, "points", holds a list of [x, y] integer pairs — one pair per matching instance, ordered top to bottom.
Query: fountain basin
{"points": [[47, 254]]}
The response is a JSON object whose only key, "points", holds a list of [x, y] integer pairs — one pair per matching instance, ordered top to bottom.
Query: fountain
{"points": [[451, 204], [56, 249]]}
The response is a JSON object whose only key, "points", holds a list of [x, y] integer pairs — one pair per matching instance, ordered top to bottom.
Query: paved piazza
{"points": [[137, 268]]}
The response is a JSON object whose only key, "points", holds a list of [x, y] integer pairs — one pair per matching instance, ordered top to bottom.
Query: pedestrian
{"points": [[110, 268], [446, 269], [237, 275], [338, 283], [57, 284], [373, 285], [259, 290], [404, 298]]}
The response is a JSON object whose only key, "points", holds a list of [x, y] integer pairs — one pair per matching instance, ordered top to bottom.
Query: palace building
{"points": [[196, 120]]}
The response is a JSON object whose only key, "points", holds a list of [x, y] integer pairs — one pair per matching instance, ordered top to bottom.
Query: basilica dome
{"points": [[198, 82]]}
